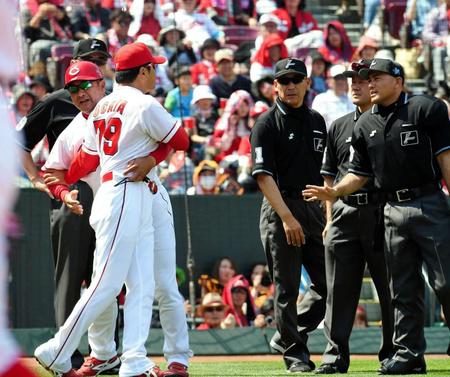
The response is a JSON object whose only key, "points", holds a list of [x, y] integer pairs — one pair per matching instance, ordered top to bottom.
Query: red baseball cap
{"points": [[135, 55], [82, 70]]}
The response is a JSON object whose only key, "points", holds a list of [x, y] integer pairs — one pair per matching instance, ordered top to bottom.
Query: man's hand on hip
{"points": [[139, 168]]}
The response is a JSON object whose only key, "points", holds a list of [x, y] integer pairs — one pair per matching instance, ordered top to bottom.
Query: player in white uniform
{"points": [[123, 125], [176, 346], [10, 365]]}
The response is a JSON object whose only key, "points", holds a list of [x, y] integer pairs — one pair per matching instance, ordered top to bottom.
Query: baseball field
{"points": [[268, 366]]}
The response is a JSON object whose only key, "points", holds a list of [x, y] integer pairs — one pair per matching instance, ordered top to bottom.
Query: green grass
{"points": [[358, 368]]}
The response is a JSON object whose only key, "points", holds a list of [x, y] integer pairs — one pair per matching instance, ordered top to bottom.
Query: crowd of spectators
{"points": [[216, 85]]}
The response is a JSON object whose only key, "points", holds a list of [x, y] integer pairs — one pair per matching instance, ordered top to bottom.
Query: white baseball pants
{"points": [[122, 219], [172, 315]]}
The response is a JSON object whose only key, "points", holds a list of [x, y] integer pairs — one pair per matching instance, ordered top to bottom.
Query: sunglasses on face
{"points": [[124, 23], [287, 80], [85, 85], [214, 309]]}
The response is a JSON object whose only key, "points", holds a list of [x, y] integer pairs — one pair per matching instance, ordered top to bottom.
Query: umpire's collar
{"points": [[402, 100], [285, 109], [357, 114]]}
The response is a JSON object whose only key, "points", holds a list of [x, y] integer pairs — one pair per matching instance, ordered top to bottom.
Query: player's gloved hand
{"points": [[139, 168], [54, 177], [39, 184], [312, 193], [70, 200], [294, 231]]}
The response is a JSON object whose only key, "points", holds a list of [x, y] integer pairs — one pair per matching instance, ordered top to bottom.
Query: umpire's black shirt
{"points": [[49, 117], [399, 143], [288, 144], [337, 153]]}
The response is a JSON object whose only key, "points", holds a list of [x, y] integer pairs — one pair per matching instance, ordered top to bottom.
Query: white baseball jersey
{"points": [[125, 125], [66, 147], [176, 346]]}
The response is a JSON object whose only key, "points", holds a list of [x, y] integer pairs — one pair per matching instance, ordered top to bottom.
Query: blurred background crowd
{"points": [[220, 61], [218, 79]]}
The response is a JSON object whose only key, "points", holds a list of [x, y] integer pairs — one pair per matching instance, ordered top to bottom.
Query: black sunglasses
{"points": [[287, 80], [214, 309]]}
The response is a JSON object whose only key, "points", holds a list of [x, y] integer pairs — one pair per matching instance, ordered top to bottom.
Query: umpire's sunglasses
{"points": [[287, 80], [85, 85]]}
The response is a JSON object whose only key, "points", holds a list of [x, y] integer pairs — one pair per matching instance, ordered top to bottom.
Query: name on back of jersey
{"points": [[117, 106]]}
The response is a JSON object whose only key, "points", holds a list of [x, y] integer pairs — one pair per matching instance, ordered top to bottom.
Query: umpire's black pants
{"points": [[417, 232], [354, 237], [73, 243], [285, 262]]}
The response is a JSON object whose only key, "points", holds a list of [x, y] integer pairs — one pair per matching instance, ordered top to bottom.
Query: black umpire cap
{"points": [[88, 46], [285, 66], [384, 66], [356, 67]]}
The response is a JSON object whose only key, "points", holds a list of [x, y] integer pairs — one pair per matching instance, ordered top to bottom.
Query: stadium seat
{"points": [[236, 34], [58, 63]]}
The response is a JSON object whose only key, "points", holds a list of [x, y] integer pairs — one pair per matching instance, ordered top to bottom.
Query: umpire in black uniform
{"points": [[405, 144], [287, 148], [353, 236], [73, 239]]}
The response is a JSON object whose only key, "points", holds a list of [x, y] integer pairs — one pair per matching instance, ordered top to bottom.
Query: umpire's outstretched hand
{"points": [[312, 193]]}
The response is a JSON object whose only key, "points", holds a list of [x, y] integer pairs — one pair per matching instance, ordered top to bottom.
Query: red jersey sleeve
{"points": [[180, 140], [160, 153], [82, 165]]}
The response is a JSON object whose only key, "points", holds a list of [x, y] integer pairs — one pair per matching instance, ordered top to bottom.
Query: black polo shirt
{"points": [[49, 117], [288, 144], [399, 144], [337, 152]]}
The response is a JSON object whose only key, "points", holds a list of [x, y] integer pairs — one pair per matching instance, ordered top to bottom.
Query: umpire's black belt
{"points": [[406, 194], [363, 198]]}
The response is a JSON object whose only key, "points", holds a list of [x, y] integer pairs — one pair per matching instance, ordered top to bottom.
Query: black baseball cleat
{"points": [[394, 366], [301, 367], [329, 369]]}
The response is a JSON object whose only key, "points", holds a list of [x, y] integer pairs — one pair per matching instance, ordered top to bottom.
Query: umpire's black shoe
{"points": [[448, 349], [77, 360], [394, 366], [301, 367], [329, 369]]}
